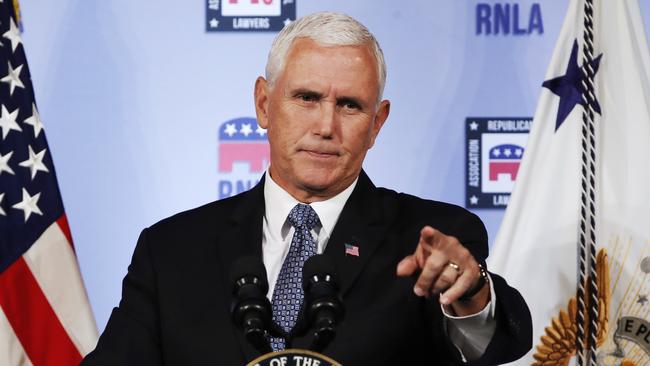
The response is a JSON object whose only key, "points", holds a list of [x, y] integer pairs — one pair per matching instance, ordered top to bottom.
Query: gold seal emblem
{"points": [[558, 344]]}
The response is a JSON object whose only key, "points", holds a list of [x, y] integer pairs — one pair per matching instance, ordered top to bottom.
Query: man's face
{"points": [[321, 115]]}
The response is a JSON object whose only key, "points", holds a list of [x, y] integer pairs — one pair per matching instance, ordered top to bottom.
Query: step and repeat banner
{"points": [[149, 109]]}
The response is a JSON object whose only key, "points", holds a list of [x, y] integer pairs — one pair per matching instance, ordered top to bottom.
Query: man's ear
{"points": [[262, 101], [382, 115]]}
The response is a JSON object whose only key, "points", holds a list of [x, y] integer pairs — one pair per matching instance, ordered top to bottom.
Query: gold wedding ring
{"points": [[454, 266]]}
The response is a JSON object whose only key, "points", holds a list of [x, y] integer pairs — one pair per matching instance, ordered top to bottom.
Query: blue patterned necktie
{"points": [[288, 294]]}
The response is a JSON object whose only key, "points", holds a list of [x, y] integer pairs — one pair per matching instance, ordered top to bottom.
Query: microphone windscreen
{"points": [[318, 265], [250, 266]]}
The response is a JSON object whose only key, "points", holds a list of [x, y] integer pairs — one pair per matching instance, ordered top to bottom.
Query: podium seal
{"points": [[293, 357]]}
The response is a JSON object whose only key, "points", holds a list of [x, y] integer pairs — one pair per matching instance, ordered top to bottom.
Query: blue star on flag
{"points": [[567, 86]]}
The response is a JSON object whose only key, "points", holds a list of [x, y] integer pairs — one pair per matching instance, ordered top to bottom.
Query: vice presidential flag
{"points": [[537, 248], [45, 318]]}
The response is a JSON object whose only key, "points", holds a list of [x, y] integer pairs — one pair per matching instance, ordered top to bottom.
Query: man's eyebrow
{"points": [[305, 91]]}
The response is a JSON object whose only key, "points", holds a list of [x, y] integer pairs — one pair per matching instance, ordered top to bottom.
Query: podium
{"points": [[293, 357]]}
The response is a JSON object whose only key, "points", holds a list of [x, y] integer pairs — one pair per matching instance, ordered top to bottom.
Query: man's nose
{"points": [[328, 119]]}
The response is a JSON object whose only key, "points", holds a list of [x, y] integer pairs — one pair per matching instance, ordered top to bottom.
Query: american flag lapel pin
{"points": [[352, 250]]}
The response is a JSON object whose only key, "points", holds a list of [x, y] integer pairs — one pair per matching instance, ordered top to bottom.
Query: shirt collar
{"points": [[278, 204]]}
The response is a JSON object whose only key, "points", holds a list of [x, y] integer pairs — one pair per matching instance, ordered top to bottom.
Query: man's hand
{"points": [[447, 268]]}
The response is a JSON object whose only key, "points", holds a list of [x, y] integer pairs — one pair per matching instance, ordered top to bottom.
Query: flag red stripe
{"points": [[63, 224], [39, 330]]}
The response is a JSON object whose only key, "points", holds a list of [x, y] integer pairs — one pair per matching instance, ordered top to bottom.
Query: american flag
{"points": [[352, 250], [45, 318]]}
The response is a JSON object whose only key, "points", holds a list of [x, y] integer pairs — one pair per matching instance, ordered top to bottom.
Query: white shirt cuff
{"points": [[471, 334]]}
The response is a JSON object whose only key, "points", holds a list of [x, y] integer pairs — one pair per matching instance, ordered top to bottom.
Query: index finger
{"points": [[429, 236]]}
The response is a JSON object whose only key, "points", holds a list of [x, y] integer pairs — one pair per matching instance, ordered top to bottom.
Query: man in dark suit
{"points": [[411, 270]]}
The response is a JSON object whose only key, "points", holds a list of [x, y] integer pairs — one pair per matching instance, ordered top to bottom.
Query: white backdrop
{"points": [[132, 94]]}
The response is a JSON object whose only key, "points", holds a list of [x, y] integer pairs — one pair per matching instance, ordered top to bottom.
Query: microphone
{"points": [[323, 306], [251, 310]]}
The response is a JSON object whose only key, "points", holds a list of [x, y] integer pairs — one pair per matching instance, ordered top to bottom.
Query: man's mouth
{"points": [[320, 154]]}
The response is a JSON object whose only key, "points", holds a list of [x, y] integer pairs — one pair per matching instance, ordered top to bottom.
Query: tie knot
{"points": [[303, 216]]}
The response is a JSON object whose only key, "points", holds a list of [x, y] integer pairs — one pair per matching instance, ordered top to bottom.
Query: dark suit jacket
{"points": [[175, 301]]}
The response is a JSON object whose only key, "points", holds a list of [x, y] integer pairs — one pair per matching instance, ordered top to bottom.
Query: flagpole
{"points": [[587, 246]]}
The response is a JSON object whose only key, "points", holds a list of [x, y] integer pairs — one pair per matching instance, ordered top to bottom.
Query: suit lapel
{"points": [[362, 224], [241, 238]]}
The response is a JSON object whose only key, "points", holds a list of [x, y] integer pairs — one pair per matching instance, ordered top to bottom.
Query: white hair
{"points": [[329, 29]]}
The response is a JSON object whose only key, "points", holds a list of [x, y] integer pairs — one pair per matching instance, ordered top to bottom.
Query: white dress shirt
{"points": [[470, 334]]}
